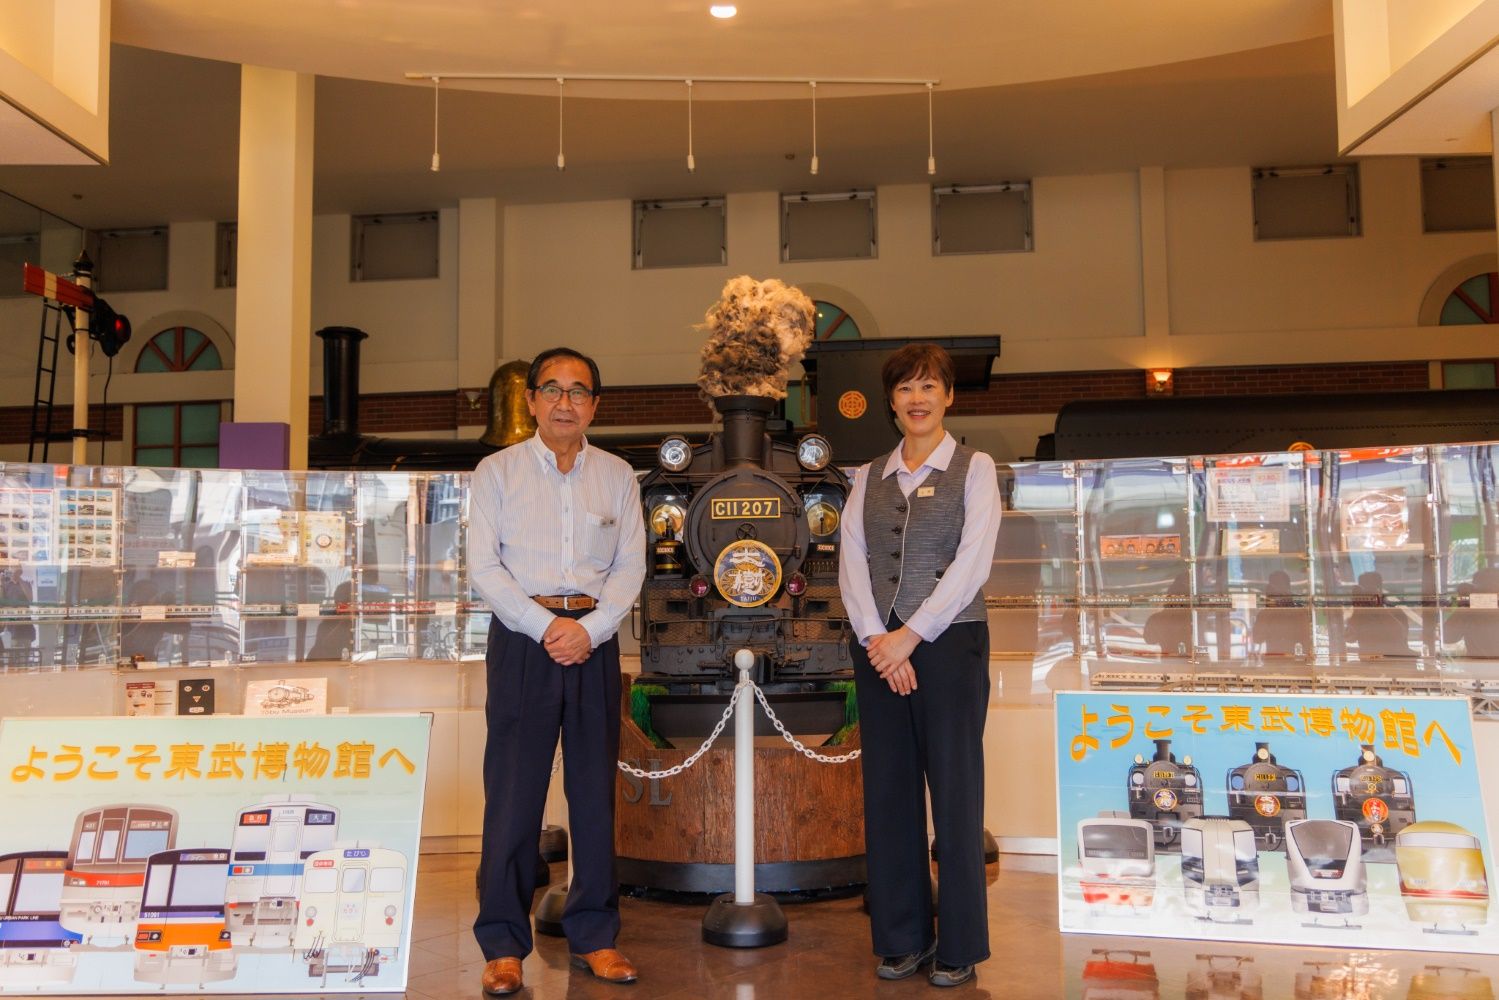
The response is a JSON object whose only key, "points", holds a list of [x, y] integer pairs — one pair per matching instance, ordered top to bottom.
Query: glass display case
{"points": [[1362, 566]]}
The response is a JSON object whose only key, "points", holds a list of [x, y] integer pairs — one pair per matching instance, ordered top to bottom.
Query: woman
{"points": [[918, 543]]}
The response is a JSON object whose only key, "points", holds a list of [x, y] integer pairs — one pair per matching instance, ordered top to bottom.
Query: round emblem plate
{"points": [[852, 404], [747, 573], [1164, 799]]}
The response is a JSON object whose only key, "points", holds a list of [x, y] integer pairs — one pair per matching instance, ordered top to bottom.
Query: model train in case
{"points": [[743, 535], [1165, 793], [1267, 795], [1379, 800]]}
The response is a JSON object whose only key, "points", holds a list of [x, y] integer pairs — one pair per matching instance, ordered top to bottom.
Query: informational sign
{"points": [[1249, 494], [25, 527], [287, 696], [1310, 820], [209, 855]]}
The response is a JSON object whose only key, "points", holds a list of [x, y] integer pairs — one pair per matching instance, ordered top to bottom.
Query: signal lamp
{"points": [[796, 585], [699, 586]]}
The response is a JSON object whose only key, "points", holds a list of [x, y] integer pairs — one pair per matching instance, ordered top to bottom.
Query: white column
{"points": [[1155, 285], [273, 298]]}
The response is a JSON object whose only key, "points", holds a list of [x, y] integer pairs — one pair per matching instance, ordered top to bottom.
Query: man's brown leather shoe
{"points": [[606, 964], [502, 977]]}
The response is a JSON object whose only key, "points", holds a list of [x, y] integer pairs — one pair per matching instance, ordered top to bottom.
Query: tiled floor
{"points": [[827, 956]]}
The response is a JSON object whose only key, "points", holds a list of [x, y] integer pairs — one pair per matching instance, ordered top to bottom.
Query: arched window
{"points": [[834, 322], [180, 435]]}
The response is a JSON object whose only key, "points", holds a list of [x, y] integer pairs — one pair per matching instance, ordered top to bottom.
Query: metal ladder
{"points": [[41, 406]]}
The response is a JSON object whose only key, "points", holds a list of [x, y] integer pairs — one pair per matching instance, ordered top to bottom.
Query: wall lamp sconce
{"points": [[1160, 382], [473, 396]]}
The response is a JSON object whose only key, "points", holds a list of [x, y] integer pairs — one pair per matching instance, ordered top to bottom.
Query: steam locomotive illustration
{"points": [[743, 534], [1165, 793], [1266, 795], [1379, 800]]}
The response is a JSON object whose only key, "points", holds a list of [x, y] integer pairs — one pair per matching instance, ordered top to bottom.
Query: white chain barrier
{"points": [[728, 713]]}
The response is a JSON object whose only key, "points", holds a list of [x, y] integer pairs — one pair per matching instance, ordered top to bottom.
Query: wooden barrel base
{"points": [[789, 881]]}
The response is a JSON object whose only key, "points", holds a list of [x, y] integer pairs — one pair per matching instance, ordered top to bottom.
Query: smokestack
{"points": [[341, 380], [743, 428]]}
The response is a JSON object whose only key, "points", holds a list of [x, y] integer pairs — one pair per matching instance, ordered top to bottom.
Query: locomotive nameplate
{"points": [[745, 508]]}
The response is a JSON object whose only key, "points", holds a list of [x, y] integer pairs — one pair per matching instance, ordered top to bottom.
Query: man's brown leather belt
{"points": [[567, 602]]}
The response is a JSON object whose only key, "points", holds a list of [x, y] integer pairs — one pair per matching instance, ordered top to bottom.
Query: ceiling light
{"points": [[723, 11]]}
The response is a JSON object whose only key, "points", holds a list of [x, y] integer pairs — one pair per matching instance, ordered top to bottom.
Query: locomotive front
{"points": [[743, 534]]}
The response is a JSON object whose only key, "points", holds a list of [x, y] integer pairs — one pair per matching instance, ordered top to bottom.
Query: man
{"points": [[557, 551]]}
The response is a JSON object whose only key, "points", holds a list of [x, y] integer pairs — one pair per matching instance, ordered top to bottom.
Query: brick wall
{"points": [[1032, 392], [15, 424]]}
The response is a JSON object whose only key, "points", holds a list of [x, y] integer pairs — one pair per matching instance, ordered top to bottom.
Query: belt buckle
{"points": [[567, 601]]}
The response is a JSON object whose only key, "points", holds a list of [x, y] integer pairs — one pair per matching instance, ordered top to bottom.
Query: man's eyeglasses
{"points": [[553, 393]]}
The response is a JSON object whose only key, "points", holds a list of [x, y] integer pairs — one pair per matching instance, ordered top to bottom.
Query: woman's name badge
{"points": [[925, 491]]}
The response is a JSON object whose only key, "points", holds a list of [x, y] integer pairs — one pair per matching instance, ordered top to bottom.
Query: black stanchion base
{"points": [[554, 843], [991, 848], [543, 872], [548, 917], [753, 925]]}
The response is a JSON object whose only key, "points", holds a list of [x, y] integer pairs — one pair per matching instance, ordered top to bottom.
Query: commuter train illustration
{"points": [[743, 538], [1165, 793], [1266, 795], [1379, 800], [271, 843], [1117, 857], [1324, 860], [106, 867], [1220, 869], [1442, 877], [353, 911], [186, 913], [183, 936], [35, 948]]}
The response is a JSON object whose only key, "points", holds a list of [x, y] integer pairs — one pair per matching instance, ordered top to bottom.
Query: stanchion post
{"points": [[744, 919]]}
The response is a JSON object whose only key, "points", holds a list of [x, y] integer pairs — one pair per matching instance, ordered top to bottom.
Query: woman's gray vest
{"points": [[911, 542]]}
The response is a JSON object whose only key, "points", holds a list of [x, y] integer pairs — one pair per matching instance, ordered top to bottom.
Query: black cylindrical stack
{"points": [[341, 380], [744, 428]]}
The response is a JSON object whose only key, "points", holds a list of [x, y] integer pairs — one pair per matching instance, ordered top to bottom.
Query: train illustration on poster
{"points": [[1165, 793], [1266, 795], [1379, 800], [272, 839], [1298, 845], [1117, 856], [1325, 863], [1220, 869], [270, 885], [35, 947]]}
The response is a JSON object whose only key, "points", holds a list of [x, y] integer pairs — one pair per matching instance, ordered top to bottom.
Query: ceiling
{"points": [[1027, 89]]}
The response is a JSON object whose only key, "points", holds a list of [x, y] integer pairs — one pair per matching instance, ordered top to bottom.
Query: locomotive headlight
{"points": [[814, 453], [674, 454], [796, 585], [699, 586], [1137, 778], [1190, 780], [390, 911], [311, 912]]}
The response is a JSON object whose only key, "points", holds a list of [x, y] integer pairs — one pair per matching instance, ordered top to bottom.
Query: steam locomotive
{"points": [[743, 538], [1165, 793], [1266, 795], [1379, 800]]}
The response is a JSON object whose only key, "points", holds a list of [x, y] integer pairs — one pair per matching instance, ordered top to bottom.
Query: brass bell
{"points": [[510, 421]]}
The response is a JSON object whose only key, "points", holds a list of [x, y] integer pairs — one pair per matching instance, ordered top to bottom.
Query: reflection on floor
{"points": [[828, 957]]}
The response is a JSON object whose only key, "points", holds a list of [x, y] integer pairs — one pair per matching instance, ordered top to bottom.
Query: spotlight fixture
{"points": [[723, 11], [813, 84], [931, 156], [436, 159], [561, 160], [691, 162], [1160, 382]]}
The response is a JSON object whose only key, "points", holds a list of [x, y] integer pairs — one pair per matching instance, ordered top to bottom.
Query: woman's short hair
{"points": [[915, 361]]}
